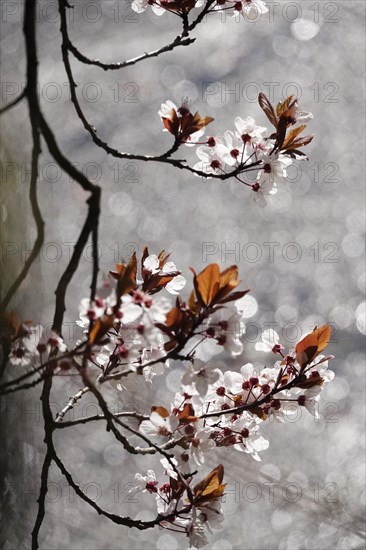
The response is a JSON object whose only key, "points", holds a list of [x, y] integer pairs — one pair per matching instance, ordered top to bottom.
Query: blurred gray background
{"points": [[308, 491]]}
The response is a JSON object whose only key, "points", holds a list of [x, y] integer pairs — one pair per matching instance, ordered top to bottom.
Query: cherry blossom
{"points": [[140, 6], [251, 7], [187, 128], [249, 132], [211, 158], [152, 264], [90, 310], [137, 330], [227, 330], [270, 339], [24, 350], [200, 376], [159, 425], [200, 445], [145, 483]]}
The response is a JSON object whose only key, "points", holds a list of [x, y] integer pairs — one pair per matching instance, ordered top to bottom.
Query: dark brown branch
{"points": [[200, 16], [179, 41], [14, 102], [163, 158], [90, 225], [93, 284], [175, 353], [50, 361], [25, 386], [109, 416], [96, 417], [48, 421], [137, 450], [52, 455], [119, 520]]}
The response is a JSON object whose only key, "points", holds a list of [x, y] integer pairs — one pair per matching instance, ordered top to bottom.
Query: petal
{"points": [[151, 263], [176, 284]]}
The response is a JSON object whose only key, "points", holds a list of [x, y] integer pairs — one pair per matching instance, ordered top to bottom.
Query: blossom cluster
{"points": [[183, 7], [247, 147], [131, 326], [32, 344], [221, 408]]}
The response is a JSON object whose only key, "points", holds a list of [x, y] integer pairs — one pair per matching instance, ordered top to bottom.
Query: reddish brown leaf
{"points": [[283, 107], [268, 109], [281, 132], [292, 134], [301, 142], [145, 254], [127, 277], [208, 283], [234, 296], [192, 304], [173, 317], [10, 327], [100, 328], [313, 344], [310, 382], [162, 411], [259, 412], [187, 414], [177, 488], [210, 488]]}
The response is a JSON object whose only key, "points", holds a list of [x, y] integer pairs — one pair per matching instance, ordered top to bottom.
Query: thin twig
{"points": [[181, 40], [178, 41], [14, 102], [163, 158], [90, 225], [51, 361], [74, 399], [96, 417], [48, 422]]}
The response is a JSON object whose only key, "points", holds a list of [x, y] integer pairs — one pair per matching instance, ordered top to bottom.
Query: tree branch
{"points": [[181, 40], [14, 102], [164, 157], [74, 399], [96, 417], [48, 422]]}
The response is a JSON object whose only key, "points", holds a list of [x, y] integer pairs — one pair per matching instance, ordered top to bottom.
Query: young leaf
{"points": [[282, 108], [268, 109], [281, 132], [292, 134], [300, 142], [127, 277], [208, 283], [234, 296], [10, 326], [100, 328], [313, 344], [310, 382], [162, 411], [259, 412], [187, 415], [177, 488], [211, 488]]}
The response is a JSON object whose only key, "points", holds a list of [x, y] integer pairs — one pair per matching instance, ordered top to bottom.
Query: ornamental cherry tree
{"points": [[141, 320]]}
